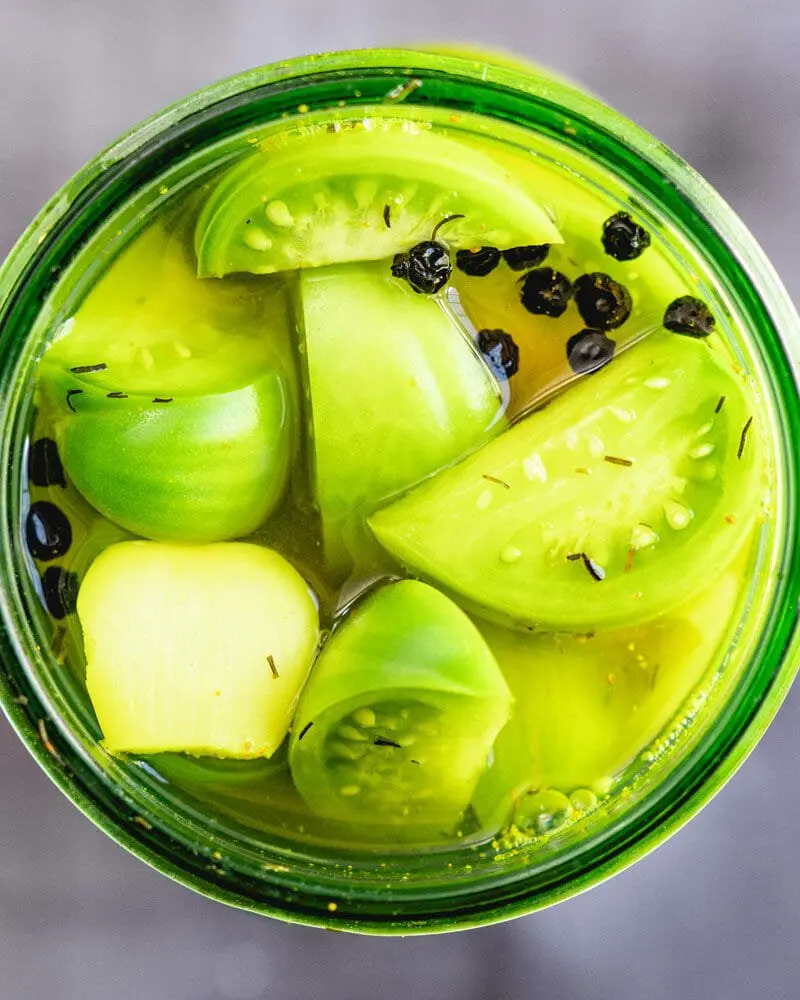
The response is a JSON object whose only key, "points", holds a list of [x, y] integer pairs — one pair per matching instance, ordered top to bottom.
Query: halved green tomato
{"points": [[361, 190], [396, 391], [172, 402], [628, 493], [195, 648], [586, 706], [399, 714]]}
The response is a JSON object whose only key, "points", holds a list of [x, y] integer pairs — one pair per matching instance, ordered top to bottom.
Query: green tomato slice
{"points": [[363, 191], [396, 391], [172, 402], [628, 493], [201, 649], [586, 707], [399, 714]]}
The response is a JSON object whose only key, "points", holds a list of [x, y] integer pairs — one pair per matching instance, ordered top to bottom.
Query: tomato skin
{"points": [[195, 469], [623, 496], [398, 716]]}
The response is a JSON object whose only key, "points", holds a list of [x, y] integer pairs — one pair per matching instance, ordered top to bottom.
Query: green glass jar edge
{"points": [[279, 72]]}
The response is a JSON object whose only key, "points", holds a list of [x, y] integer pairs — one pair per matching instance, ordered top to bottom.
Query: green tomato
{"points": [[396, 391], [172, 400], [632, 490], [195, 648], [585, 706], [399, 714]]}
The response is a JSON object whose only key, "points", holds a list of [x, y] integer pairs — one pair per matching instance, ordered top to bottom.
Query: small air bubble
{"points": [[657, 383], [701, 450], [484, 500], [510, 554], [349, 790], [583, 799]]}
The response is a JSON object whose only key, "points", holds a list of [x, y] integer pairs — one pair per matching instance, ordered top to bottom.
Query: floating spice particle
{"points": [[387, 216], [444, 221], [624, 239], [522, 258], [479, 262], [426, 267], [545, 292], [604, 304], [689, 316], [500, 350], [589, 350], [87, 369], [70, 394], [116, 395], [162, 399], [720, 404], [743, 437], [615, 460], [44, 464], [583, 472], [494, 479], [730, 518], [48, 532], [574, 556], [629, 559], [595, 572], [60, 591], [272, 667], [654, 675], [304, 730], [381, 742], [413, 761], [142, 822]]}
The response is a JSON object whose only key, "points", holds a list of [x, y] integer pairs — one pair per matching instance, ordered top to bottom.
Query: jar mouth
{"points": [[302, 884]]}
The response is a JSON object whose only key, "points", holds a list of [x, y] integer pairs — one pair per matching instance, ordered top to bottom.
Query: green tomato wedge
{"points": [[364, 191], [396, 391], [172, 403], [628, 493], [200, 649], [585, 707], [399, 713]]}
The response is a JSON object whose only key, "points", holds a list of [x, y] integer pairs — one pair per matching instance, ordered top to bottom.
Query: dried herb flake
{"points": [[87, 369], [70, 394], [743, 437], [494, 479], [272, 667], [304, 730]]}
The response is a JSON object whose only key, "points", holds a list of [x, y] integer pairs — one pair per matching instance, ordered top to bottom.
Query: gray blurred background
{"points": [[714, 913]]}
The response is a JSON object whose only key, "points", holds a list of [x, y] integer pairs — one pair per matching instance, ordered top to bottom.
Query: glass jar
{"points": [[393, 892]]}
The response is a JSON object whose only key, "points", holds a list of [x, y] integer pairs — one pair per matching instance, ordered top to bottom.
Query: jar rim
{"points": [[45, 248]]}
